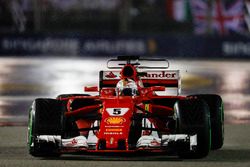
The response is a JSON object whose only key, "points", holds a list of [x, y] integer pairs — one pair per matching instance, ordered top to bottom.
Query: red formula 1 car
{"points": [[132, 112]]}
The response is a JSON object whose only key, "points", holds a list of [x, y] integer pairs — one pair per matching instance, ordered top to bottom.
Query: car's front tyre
{"points": [[46, 118], [193, 118]]}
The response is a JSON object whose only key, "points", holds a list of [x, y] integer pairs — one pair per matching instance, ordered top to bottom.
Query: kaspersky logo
{"points": [[111, 75]]}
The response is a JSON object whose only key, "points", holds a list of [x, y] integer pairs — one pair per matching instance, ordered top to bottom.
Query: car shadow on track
{"points": [[224, 155], [119, 157]]}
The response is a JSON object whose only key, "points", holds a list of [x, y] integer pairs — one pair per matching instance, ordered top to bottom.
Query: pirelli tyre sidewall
{"points": [[216, 109], [46, 117], [193, 118]]}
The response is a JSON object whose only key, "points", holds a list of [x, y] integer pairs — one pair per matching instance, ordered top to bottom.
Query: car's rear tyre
{"points": [[216, 109], [46, 117], [193, 118]]}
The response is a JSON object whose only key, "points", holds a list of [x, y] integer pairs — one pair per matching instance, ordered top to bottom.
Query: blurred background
{"points": [[207, 17], [175, 28], [49, 47]]}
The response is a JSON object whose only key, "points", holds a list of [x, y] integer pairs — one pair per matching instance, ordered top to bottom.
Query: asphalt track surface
{"points": [[24, 79], [235, 152]]}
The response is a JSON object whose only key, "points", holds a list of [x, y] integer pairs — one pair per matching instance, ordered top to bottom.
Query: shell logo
{"points": [[115, 120]]}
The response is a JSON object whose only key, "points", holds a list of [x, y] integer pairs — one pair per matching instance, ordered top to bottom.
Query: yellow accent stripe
{"points": [[147, 107]]}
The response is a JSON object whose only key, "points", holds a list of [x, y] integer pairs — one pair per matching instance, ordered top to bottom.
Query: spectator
{"points": [[18, 15]]}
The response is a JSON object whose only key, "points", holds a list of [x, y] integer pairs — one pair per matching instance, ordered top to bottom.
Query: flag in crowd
{"points": [[178, 10], [247, 13], [208, 16], [218, 16]]}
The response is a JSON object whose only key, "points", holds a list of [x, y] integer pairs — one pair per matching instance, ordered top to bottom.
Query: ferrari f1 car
{"points": [[130, 112]]}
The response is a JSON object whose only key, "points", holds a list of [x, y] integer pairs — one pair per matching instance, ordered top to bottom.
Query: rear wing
{"points": [[167, 78]]}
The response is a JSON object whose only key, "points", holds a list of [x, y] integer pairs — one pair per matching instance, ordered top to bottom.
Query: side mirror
{"points": [[91, 89]]}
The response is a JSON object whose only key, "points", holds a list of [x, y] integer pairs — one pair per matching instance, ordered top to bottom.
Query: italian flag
{"points": [[178, 10]]}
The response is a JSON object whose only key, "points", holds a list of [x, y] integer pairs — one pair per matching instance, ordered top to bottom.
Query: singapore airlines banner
{"points": [[73, 46], [166, 46]]}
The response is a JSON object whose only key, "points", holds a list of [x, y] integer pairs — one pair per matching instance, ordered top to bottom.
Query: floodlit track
{"points": [[24, 79]]}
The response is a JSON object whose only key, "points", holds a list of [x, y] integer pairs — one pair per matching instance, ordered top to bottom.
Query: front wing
{"points": [[145, 143]]}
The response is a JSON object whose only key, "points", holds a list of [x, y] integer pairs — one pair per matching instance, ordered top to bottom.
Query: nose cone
{"points": [[115, 124]]}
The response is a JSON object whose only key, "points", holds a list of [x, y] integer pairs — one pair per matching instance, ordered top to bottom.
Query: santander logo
{"points": [[111, 75], [161, 75], [169, 75]]}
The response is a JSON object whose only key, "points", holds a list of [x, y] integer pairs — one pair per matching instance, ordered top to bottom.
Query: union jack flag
{"points": [[218, 16]]}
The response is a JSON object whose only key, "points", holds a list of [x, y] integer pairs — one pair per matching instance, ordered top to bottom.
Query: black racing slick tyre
{"points": [[216, 109], [46, 117], [193, 118]]}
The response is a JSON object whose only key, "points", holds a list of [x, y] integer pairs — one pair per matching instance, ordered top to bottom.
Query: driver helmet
{"points": [[126, 87]]}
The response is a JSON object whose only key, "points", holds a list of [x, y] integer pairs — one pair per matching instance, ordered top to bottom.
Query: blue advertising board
{"points": [[109, 45]]}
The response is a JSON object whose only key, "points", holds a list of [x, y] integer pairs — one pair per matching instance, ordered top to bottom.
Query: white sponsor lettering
{"points": [[47, 45], [128, 46], [236, 48], [161, 75], [117, 111]]}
